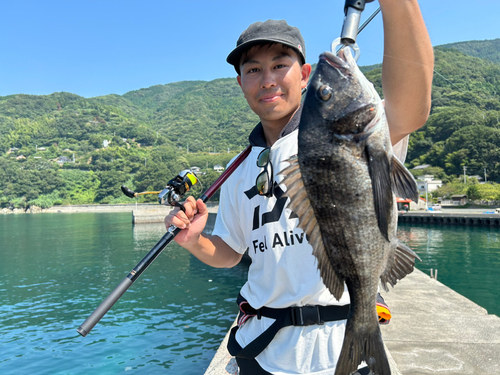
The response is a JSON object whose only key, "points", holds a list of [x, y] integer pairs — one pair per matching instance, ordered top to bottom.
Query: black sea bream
{"points": [[343, 185]]}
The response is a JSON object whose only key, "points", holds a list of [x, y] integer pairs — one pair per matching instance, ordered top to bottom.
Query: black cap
{"points": [[264, 32]]}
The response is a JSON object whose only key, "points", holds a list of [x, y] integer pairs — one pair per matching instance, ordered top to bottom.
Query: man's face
{"points": [[272, 79]]}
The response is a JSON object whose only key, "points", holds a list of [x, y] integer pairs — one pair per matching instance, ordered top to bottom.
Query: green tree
{"points": [[110, 183], [473, 192]]}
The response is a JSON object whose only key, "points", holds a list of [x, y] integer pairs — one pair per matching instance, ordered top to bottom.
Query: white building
{"points": [[218, 168], [428, 180]]}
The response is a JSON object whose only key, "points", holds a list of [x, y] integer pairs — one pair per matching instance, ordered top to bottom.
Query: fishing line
{"points": [[368, 20], [434, 70], [447, 80]]}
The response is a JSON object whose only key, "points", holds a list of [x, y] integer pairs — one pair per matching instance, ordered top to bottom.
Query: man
{"points": [[270, 62]]}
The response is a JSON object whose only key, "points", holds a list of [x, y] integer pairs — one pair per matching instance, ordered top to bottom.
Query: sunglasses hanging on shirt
{"points": [[264, 181]]}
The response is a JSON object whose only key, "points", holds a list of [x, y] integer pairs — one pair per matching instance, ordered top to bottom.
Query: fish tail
{"points": [[360, 345]]}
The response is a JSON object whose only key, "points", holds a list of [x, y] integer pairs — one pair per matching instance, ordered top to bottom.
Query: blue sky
{"points": [[94, 48]]}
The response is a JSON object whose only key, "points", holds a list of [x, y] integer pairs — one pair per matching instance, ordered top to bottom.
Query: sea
{"points": [[57, 268]]}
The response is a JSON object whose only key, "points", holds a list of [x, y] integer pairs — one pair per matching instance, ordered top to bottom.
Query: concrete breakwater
{"points": [[81, 208], [141, 212], [157, 213], [441, 218], [433, 330]]}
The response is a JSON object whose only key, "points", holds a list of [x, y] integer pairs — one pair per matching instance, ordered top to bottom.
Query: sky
{"points": [[93, 48]]}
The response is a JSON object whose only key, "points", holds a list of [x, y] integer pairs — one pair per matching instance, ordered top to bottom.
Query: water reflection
{"points": [[145, 232], [467, 258], [56, 270]]}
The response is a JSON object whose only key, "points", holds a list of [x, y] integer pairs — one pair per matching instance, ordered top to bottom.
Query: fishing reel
{"points": [[173, 192]]}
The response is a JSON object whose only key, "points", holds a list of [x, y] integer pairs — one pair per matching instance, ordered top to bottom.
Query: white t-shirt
{"points": [[283, 271]]}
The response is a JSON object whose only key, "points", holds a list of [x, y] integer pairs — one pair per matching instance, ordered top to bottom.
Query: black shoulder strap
{"points": [[256, 347]]}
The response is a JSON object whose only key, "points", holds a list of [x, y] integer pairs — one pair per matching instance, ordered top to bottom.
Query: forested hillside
{"points": [[484, 49], [463, 128], [52, 146]]}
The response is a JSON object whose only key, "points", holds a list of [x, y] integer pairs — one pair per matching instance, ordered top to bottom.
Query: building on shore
{"points": [[427, 182]]}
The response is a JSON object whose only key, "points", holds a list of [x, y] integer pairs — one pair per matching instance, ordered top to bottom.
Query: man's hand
{"points": [[192, 221], [211, 250]]}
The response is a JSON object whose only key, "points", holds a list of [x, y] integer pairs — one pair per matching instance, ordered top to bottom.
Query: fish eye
{"points": [[324, 92]]}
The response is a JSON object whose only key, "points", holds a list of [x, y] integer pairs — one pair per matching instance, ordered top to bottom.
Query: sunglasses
{"points": [[264, 181]]}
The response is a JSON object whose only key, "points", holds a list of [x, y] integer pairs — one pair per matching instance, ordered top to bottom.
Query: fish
{"points": [[342, 185]]}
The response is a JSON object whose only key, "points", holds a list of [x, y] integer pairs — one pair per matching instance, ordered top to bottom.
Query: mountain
{"points": [[484, 49], [463, 128], [157, 131]]}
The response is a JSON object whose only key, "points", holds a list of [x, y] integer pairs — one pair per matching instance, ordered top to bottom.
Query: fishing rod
{"points": [[173, 192]]}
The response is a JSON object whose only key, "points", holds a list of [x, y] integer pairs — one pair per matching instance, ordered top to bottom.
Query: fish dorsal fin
{"points": [[379, 168], [403, 183], [300, 204], [402, 264]]}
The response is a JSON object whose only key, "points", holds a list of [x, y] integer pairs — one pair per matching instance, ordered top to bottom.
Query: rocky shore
{"points": [[79, 208], [140, 209], [29, 210]]}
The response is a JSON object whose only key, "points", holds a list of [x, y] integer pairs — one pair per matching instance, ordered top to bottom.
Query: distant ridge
{"points": [[484, 49], [153, 133]]}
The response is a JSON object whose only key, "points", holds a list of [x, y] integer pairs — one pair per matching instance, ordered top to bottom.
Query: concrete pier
{"points": [[157, 213], [441, 218], [434, 330], [224, 364]]}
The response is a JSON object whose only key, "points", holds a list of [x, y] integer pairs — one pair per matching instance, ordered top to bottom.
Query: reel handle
{"points": [[129, 193]]}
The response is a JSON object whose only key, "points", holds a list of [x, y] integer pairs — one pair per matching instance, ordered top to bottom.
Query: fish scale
{"points": [[342, 185]]}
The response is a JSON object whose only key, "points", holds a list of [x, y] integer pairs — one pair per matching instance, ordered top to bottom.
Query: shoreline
{"points": [[109, 208]]}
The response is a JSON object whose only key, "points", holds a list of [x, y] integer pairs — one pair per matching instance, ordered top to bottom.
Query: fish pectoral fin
{"points": [[379, 168], [403, 182], [301, 205], [402, 265]]}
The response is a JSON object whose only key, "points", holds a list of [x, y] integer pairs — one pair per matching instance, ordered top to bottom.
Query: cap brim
{"points": [[235, 56]]}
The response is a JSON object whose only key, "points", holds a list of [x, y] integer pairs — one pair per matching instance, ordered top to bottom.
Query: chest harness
{"points": [[285, 317]]}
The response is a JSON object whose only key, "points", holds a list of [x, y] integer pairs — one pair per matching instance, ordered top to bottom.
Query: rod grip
{"points": [[104, 307]]}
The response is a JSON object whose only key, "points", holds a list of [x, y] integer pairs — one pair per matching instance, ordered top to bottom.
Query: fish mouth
{"points": [[337, 62]]}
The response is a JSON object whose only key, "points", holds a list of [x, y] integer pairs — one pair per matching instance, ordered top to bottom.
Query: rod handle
{"points": [[104, 307]]}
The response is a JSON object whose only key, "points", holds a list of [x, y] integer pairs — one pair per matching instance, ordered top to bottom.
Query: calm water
{"points": [[467, 259], [57, 268]]}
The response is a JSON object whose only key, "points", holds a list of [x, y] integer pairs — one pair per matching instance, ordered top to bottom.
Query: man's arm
{"points": [[407, 68], [211, 250]]}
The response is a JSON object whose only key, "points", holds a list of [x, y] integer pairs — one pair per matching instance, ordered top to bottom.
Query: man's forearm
{"points": [[407, 67], [212, 250]]}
